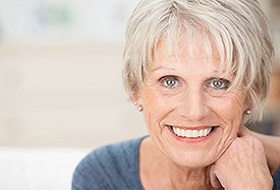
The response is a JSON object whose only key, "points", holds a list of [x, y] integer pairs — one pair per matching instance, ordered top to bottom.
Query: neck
{"points": [[158, 172], [188, 178]]}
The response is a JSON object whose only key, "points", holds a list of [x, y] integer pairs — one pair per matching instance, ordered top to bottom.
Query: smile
{"points": [[189, 133]]}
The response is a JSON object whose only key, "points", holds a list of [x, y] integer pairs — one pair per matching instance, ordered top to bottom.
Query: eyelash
{"points": [[164, 81], [210, 83], [224, 83]]}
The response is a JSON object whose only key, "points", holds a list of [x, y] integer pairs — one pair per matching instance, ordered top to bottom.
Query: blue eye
{"points": [[169, 81], [219, 83]]}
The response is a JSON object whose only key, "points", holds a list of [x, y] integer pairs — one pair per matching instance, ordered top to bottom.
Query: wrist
{"points": [[272, 149], [265, 184]]}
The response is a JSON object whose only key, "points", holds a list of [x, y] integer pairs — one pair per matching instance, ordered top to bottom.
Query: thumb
{"points": [[214, 179]]}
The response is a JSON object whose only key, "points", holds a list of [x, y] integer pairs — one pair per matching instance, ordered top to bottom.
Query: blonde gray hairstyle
{"points": [[238, 29]]}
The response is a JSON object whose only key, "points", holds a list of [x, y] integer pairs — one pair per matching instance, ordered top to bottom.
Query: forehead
{"points": [[195, 48], [189, 61]]}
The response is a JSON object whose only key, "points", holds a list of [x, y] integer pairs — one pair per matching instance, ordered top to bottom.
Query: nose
{"points": [[193, 105]]}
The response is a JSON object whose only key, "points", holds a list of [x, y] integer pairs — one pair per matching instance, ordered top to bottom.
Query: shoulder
{"points": [[104, 167], [276, 179]]}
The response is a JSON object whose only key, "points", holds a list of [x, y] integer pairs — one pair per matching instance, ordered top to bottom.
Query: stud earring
{"points": [[140, 108], [248, 112]]}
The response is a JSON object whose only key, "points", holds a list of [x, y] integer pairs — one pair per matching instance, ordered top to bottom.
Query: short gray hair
{"points": [[238, 29]]}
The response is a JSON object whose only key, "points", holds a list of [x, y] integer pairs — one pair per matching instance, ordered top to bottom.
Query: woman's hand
{"points": [[272, 149], [242, 166]]}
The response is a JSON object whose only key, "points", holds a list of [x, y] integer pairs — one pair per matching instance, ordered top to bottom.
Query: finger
{"points": [[243, 131], [213, 179]]}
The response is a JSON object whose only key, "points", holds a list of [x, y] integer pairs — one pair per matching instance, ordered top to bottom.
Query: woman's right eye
{"points": [[169, 81]]}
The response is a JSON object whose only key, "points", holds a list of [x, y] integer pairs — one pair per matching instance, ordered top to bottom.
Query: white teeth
{"points": [[191, 133]]}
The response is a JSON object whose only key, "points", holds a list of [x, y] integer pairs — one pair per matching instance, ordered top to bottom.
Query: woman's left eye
{"points": [[169, 81], [219, 83]]}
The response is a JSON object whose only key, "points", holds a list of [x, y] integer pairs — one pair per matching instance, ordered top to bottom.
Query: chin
{"points": [[196, 160]]}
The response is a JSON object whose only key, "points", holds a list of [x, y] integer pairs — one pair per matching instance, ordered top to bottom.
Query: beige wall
{"points": [[64, 95]]}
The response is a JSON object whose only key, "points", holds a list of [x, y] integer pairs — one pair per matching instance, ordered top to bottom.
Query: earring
{"points": [[140, 108], [248, 112]]}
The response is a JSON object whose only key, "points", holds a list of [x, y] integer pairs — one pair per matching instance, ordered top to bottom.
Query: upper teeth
{"points": [[191, 133]]}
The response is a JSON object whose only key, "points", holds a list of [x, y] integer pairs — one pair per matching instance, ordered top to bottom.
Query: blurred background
{"points": [[60, 73], [61, 90]]}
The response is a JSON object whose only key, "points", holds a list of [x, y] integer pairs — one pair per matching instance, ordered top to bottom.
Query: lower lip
{"points": [[193, 140]]}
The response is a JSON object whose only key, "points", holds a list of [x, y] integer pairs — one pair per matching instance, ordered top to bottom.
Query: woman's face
{"points": [[189, 113]]}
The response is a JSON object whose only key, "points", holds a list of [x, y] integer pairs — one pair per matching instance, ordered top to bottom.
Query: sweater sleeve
{"points": [[276, 180]]}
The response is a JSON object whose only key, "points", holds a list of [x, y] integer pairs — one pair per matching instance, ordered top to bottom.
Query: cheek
{"points": [[152, 101], [156, 107], [231, 111]]}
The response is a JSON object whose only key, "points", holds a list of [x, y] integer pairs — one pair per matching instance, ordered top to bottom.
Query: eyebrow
{"points": [[160, 68], [169, 68]]}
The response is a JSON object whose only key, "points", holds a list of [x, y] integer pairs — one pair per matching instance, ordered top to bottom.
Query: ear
{"points": [[135, 99], [247, 105]]}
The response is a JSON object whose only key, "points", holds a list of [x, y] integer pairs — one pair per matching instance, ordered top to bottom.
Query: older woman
{"points": [[199, 72]]}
